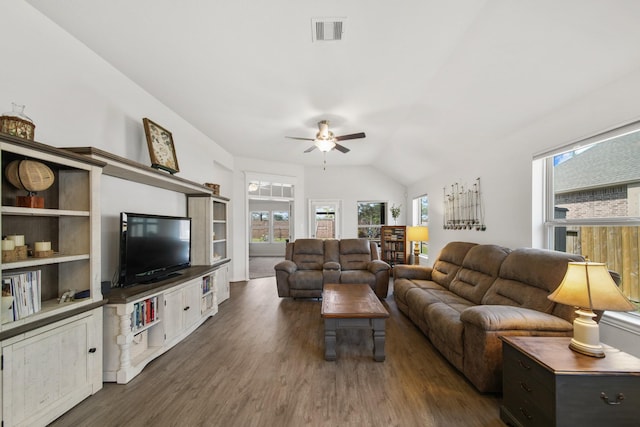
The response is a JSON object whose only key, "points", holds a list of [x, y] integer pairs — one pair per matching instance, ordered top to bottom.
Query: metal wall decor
{"points": [[463, 209]]}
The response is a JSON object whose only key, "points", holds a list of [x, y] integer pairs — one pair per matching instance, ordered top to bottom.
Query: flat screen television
{"points": [[152, 247]]}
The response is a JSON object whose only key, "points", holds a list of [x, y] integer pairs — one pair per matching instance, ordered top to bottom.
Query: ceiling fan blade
{"points": [[350, 136], [301, 139], [341, 148], [310, 149]]}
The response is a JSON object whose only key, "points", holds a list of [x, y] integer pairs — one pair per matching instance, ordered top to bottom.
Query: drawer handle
{"points": [[186, 308], [92, 350], [523, 365], [525, 387], [605, 399], [525, 413]]}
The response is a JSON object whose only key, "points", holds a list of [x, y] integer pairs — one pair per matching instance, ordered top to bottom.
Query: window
{"points": [[270, 190], [593, 202], [371, 217], [421, 217], [259, 226], [280, 226], [269, 227]]}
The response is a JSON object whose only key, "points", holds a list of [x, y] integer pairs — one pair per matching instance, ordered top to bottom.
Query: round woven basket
{"points": [[29, 175]]}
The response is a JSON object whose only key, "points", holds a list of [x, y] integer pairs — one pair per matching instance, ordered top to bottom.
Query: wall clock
{"points": [[161, 148]]}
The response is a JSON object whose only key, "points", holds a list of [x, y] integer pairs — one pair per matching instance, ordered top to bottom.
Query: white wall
{"points": [[77, 99]]}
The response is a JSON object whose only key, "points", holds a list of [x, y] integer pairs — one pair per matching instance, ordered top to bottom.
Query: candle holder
{"points": [[42, 250], [21, 252], [42, 254], [10, 255]]}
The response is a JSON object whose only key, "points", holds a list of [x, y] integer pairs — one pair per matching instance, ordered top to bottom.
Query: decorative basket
{"points": [[15, 123], [214, 187]]}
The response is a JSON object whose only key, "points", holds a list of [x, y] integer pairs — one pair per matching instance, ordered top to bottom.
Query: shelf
{"points": [[133, 171], [12, 210], [33, 262], [47, 307], [145, 327]]}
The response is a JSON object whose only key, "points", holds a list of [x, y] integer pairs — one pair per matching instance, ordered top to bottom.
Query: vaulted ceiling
{"points": [[422, 78]]}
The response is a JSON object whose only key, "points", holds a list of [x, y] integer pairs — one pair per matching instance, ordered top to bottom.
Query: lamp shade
{"points": [[325, 145], [418, 234], [589, 285]]}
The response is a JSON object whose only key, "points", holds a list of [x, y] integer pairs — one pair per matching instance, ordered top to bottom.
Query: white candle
{"points": [[17, 238], [8, 245], [43, 246]]}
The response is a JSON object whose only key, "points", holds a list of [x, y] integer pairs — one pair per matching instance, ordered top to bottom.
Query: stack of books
{"points": [[25, 288]]}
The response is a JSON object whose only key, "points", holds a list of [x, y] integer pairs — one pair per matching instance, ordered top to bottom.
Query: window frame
{"points": [[383, 219], [417, 219], [550, 223]]}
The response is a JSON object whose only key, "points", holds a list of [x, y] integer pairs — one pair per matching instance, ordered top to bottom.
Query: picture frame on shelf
{"points": [[161, 148]]}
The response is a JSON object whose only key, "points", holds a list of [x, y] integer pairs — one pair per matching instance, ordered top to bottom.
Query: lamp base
{"points": [[416, 254], [586, 335], [586, 349]]}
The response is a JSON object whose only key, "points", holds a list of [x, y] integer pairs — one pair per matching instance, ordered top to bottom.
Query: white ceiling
{"points": [[422, 78]]}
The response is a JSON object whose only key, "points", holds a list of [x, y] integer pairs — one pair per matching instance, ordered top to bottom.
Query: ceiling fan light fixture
{"points": [[325, 145]]}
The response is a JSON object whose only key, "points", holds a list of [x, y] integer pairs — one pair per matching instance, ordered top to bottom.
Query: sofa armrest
{"points": [[331, 265], [377, 265], [286, 266], [419, 272], [509, 318]]}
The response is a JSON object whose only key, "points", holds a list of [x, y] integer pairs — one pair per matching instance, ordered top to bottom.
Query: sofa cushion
{"points": [[308, 254], [355, 254], [449, 261], [478, 272], [356, 276], [527, 276], [306, 279], [419, 299], [446, 330]]}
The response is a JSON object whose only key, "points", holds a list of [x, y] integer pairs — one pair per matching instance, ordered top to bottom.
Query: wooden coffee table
{"points": [[349, 306]]}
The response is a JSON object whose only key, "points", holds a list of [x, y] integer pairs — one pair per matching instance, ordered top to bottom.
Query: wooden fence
{"points": [[617, 247]]}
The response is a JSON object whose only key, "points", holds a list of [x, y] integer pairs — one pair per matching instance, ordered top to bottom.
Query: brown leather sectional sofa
{"points": [[310, 263], [476, 293]]}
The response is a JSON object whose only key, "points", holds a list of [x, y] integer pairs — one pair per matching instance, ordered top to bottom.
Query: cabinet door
{"points": [[222, 284], [191, 308], [172, 316], [47, 374]]}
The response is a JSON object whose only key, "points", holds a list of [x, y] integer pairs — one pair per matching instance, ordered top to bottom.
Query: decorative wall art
{"points": [[161, 148], [463, 208]]}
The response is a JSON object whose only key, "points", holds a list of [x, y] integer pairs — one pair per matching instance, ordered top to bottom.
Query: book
{"points": [[26, 289]]}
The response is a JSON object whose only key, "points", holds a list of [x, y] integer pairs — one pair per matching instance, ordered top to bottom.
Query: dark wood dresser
{"points": [[547, 384]]}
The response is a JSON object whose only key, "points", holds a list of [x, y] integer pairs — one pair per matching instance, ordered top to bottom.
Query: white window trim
{"points": [[623, 321]]}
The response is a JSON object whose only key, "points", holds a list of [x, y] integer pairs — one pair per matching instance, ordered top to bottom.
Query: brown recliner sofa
{"points": [[310, 263], [474, 294]]}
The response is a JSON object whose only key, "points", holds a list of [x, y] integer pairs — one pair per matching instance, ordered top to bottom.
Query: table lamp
{"points": [[417, 234], [589, 286]]}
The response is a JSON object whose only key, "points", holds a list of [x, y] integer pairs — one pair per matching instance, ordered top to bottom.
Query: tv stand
{"points": [[161, 278], [142, 322]]}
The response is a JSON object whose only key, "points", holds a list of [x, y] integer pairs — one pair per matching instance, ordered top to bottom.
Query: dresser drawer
{"points": [[527, 389], [580, 400]]}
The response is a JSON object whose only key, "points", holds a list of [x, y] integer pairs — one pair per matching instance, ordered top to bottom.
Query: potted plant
{"points": [[395, 213]]}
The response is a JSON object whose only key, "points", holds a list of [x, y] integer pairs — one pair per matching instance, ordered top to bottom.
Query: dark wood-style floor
{"points": [[259, 362]]}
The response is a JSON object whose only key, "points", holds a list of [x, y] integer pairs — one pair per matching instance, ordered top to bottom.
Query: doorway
{"points": [[324, 219], [270, 224]]}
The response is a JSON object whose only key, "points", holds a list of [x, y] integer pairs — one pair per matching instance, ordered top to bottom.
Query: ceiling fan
{"points": [[326, 141]]}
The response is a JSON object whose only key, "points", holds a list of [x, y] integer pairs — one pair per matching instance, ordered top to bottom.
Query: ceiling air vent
{"points": [[327, 29]]}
